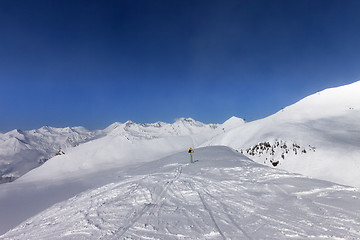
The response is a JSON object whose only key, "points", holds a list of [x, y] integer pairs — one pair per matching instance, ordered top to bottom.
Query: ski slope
{"points": [[93, 163], [110, 184], [223, 195]]}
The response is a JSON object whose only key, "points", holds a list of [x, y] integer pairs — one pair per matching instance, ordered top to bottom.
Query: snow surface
{"points": [[318, 136], [124, 144], [21, 151], [88, 164], [119, 188], [223, 195]]}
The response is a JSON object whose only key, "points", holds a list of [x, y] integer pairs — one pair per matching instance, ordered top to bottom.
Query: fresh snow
{"points": [[232, 123], [318, 136], [124, 144], [21, 151], [88, 164], [133, 181], [223, 195]]}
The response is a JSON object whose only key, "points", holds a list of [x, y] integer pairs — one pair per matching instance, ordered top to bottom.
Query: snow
{"points": [[332, 102], [232, 123], [325, 125], [124, 144], [21, 151], [87, 165], [134, 181], [223, 195]]}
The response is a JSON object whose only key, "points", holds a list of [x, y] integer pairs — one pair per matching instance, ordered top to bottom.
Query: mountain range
{"points": [[317, 137], [22, 151]]}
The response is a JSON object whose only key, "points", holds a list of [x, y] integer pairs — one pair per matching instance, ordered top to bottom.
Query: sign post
{"points": [[191, 157]]}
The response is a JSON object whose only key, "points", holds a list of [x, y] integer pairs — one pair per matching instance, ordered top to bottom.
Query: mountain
{"points": [[181, 127], [318, 136], [124, 144], [21, 151], [92, 163], [134, 180], [223, 195]]}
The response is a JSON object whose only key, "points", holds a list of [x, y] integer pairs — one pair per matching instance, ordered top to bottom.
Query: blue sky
{"points": [[91, 63]]}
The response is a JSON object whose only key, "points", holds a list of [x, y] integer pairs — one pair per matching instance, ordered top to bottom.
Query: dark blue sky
{"points": [[91, 63]]}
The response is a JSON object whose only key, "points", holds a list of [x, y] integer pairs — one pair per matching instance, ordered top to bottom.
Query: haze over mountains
{"points": [[318, 136], [21, 151]]}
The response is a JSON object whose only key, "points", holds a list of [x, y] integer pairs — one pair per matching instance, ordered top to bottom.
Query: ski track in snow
{"points": [[222, 196], [200, 201]]}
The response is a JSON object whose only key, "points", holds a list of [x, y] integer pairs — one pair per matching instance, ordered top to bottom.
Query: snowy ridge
{"points": [[329, 103], [326, 121], [181, 127], [122, 144], [21, 151], [224, 195]]}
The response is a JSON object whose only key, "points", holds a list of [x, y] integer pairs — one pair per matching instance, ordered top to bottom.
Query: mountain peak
{"points": [[182, 119], [235, 119], [233, 122], [129, 123], [112, 126]]}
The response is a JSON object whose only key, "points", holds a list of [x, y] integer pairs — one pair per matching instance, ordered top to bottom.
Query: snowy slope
{"points": [[181, 127], [318, 136], [124, 144], [21, 151], [89, 164], [224, 195]]}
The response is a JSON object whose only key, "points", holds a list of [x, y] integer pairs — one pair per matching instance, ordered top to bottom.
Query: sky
{"points": [[92, 63]]}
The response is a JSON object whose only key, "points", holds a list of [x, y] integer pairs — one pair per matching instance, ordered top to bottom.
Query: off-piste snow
{"points": [[136, 181], [223, 195]]}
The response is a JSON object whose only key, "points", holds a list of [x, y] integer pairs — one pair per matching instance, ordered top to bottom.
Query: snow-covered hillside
{"points": [[181, 127], [318, 136], [125, 144], [21, 151], [90, 164], [223, 195], [219, 196]]}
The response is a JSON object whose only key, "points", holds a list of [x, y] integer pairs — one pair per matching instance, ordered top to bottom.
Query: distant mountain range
{"points": [[318, 136], [22, 151]]}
